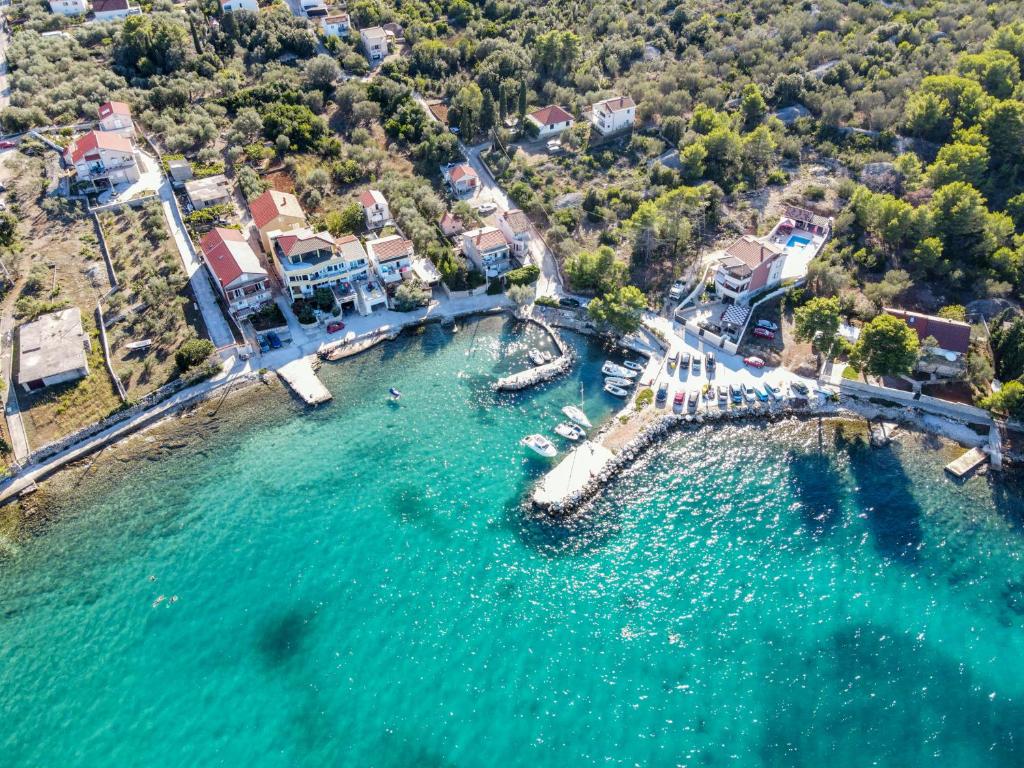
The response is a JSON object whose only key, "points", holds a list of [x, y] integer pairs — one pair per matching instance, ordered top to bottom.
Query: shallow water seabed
{"points": [[360, 584]]}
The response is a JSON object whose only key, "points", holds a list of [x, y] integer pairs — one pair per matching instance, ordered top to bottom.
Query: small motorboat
{"points": [[536, 357], [633, 366], [611, 369], [619, 382], [611, 389], [394, 393], [577, 415], [570, 431], [540, 444]]}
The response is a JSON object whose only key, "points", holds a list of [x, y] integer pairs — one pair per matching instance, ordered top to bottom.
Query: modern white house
{"points": [[228, 6], [69, 7], [113, 10], [336, 23], [375, 43], [613, 115], [116, 116], [550, 120], [104, 158], [461, 178], [212, 190], [375, 209], [518, 231], [488, 249], [392, 258], [307, 260], [236, 271], [360, 286], [52, 350]]}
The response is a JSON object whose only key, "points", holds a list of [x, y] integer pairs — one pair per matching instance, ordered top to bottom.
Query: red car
{"points": [[5, 144], [335, 327], [764, 333], [753, 362], [678, 399]]}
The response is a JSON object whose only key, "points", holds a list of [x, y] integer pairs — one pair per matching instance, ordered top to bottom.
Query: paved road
{"points": [[216, 324]]}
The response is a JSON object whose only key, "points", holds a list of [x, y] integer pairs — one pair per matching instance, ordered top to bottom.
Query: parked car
{"points": [[7, 144], [486, 208], [568, 303], [768, 324], [335, 326], [764, 333], [274, 340], [262, 341], [709, 362], [753, 362], [684, 363], [695, 366], [799, 387], [735, 393], [748, 393], [662, 395], [723, 395], [679, 398], [694, 398]]}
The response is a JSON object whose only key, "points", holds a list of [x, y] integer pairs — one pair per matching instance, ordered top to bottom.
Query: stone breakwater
{"points": [[534, 376], [654, 432]]}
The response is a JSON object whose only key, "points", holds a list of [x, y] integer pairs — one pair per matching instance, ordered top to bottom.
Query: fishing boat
{"points": [[536, 357], [633, 366], [611, 369], [619, 382], [611, 389], [395, 393], [577, 415], [570, 431], [540, 444]]}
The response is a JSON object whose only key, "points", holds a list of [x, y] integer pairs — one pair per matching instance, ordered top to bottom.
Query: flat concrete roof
{"points": [[52, 345]]}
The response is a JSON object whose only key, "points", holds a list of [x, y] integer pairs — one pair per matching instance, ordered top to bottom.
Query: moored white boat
{"points": [[536, 357], [633, 366], [611, 369], [618, 381], [611, 389], [577, 415], [570, 431], [540, 444]]}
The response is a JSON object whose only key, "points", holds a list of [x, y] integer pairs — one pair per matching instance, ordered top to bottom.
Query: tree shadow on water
{"points": [[818, 486], [883, 494], [565, 535]]}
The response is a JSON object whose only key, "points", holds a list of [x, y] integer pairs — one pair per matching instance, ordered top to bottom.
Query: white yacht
{"points": [[633, 366], [611, 369], [619, 382], [611, 389], [577, 415], [570, 431], [540, 444]]}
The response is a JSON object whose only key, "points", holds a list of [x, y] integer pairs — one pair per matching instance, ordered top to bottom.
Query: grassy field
{"points": [[56, 263], [154, 301]]}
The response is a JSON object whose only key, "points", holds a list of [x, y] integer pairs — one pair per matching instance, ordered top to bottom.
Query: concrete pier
{"points": [[300, 376], [967, 463], [572, 474]]}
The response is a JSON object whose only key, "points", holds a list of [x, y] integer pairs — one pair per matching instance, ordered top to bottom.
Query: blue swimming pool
{"points": [[796, 241]]}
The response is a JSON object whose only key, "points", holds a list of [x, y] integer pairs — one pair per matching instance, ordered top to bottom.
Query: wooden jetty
{"points": [[300, 376], [964, 465]]}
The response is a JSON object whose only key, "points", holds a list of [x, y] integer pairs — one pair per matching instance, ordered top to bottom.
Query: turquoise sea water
{"points": [[360, 585]]}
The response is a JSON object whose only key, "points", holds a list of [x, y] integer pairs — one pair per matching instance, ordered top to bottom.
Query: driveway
{"points": [[216, 324], [15, 425]]}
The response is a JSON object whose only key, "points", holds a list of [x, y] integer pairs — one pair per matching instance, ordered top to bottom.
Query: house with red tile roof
{"points": [[113, 10], [613, 115], [116, 116], [550, 120], [103, 158], [462, 179], [375, 209], [275, 212], [488, 250], [392, 258], [748, 266], [236, 270], [952, 340]]}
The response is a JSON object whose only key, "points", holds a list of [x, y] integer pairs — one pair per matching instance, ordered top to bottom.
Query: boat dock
{"points": [[300, 376], [970, 461], [572, 474]]}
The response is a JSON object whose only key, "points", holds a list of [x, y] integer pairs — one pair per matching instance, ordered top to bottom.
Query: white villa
{"points": [[227, 6], [69, 7], [113, 10], [336, 23], [375, 43], [613, 115], [550, 120], [104, 158], [212, 190], [375, 209], [515, 226], [488, 249], [392, 257], [307, 260], [236, 270], [359, 286]]}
